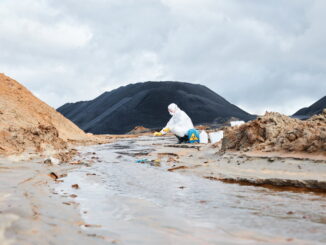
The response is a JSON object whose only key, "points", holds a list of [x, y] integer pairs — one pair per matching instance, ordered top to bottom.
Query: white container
{"points": [[236, 123], [216, 136], [203, 137]]}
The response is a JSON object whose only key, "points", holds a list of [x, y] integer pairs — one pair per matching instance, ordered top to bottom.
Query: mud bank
{"points": [[275, 169], [133, 198], [39, 204], [32, 212]]}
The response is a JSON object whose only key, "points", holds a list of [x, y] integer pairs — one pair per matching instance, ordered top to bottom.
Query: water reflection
{"points": [[140, 204]]}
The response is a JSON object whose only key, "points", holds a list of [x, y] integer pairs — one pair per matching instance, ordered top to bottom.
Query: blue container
{"points": [[193, 136]]}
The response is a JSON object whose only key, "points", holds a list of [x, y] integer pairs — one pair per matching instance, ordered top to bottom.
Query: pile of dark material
{"points": [[145, 104], [314, 109]]}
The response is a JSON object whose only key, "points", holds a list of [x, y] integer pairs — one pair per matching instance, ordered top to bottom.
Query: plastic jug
{"points": [[236, 123], [216, 136], [203, 137]]}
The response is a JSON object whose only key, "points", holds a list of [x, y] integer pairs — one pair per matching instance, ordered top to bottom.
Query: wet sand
{"points": [[257, 168], [139, 195], [32, 211]]}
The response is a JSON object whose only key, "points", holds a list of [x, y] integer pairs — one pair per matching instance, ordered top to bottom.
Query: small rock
{"points": [[291, 136], [312, 149], [271, 159], [48, 161], [53, 175], [75, 186], [92, 226]]}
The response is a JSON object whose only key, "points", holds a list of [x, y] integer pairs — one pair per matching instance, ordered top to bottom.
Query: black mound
{"points": [[145, 104], [314, 109]]}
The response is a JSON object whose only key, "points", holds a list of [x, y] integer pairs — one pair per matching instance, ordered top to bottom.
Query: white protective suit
{"points": [[180, 122]]}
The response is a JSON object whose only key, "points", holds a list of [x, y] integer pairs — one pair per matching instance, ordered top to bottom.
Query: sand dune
{"points": [[28, 124]]}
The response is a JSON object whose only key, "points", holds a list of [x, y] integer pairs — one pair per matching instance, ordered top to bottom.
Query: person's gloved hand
{"points": [[166, 130], [158, 134]]}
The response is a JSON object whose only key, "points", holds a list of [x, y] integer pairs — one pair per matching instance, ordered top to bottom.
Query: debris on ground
{"points": [[277, 132], [197, 147], [47, 161], [155, 163], [177, 168], [53, 175], [75, 186]]}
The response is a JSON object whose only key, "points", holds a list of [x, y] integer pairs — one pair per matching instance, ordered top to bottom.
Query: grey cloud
{"points": [[257, 54]]}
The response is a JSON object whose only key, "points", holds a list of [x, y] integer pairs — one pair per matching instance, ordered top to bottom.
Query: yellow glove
{"points": [[166, 130], [158, 134]]}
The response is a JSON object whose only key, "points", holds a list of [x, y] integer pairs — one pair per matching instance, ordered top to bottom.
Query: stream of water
{"points": [[141, 204]]}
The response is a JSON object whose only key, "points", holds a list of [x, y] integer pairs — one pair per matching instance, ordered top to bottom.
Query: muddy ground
{"points": [[296, 170], [33, 213]]}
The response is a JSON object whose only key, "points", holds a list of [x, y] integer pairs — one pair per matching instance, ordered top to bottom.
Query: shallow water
{"points": [[141, 204]]}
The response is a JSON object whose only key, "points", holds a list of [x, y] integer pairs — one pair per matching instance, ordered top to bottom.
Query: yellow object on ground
{"points": [[166, 130], [158, 134]]}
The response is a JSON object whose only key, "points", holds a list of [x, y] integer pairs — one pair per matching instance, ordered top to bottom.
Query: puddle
{"points": [[141, 204]]}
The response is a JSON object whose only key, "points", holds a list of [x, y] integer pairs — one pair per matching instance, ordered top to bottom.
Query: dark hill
{"points": [[145, 104], [314, 109]]}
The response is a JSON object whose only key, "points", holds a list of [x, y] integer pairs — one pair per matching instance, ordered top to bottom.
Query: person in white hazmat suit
{"points": [[179, 124]]}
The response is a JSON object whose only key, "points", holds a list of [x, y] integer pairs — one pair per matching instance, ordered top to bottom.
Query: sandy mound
{"points": [[28, 124], [140, 130], [277, 132]]}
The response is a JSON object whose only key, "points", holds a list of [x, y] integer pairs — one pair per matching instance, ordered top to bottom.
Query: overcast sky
{"points": [[259, 55]]}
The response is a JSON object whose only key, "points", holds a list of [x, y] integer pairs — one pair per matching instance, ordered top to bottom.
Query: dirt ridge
{"points": [[27, 124], [278, 133]]}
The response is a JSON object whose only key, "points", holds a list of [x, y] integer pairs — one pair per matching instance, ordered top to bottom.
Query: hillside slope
{"points": [[145, 104], [315, 109], [28, 124]]}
